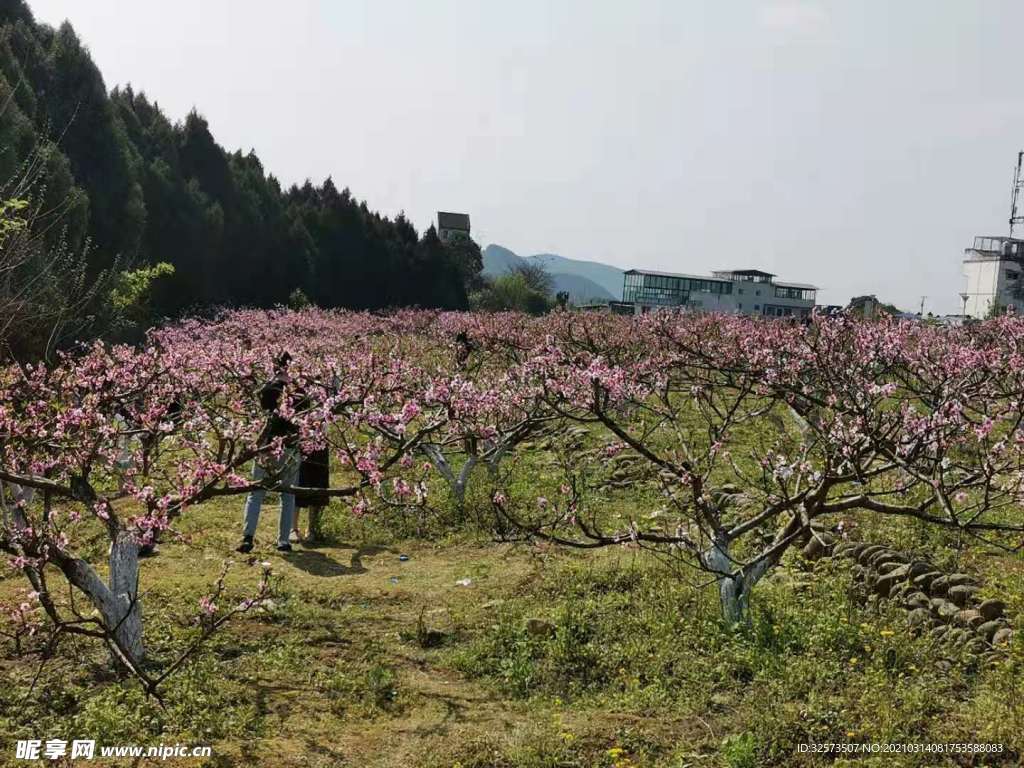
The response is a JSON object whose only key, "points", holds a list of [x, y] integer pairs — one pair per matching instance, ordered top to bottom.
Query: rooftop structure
{"points": [[452, 225], [742, 291]]}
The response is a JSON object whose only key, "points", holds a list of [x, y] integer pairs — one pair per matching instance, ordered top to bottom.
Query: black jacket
{"points": [[270, 399]]}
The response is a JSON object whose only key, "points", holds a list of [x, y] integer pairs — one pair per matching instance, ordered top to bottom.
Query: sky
{"points": [[858, 145]]}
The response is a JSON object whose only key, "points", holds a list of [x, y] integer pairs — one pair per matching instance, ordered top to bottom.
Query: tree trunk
{"points": [[458, 483], [734, 584], [124, 586], [734, 598], [117, 602]]}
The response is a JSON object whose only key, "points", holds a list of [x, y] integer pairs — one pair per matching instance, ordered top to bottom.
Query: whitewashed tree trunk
{"points": [[457, 483], [735, 584], [124, 586], [734, 599], [117, 603]]}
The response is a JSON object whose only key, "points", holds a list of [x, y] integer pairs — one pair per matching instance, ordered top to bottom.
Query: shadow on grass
{"points": [[317, 563]]}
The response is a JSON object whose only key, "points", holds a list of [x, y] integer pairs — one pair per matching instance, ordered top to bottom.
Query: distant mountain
{"points": [[498, 260], [608, 277], [583, 280], [580, 289]]}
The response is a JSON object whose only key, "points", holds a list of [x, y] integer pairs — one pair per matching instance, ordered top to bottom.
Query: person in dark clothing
{"points": [[463, 349], [285, 469], [314, 472]]}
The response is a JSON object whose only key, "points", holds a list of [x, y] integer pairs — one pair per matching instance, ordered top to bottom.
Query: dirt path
{"points": [[379, 593]]}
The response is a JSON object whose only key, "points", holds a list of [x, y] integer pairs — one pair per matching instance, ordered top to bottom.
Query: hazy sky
{"points": [[857, 145]]}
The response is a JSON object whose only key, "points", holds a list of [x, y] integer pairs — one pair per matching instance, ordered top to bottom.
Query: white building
{"points": [[993, 269], [740, 291]]}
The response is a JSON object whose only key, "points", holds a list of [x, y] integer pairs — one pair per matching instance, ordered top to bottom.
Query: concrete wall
{"points": [[987, 283]]}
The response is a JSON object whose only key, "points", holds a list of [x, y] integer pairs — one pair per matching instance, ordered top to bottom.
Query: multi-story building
{"points": [[452, 226], [993, 267], [740, 291]]}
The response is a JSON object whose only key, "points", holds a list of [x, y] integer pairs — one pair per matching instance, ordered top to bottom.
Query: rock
{"points": [[814, 549], [844, 549], [856, 549], [867, 552], [881, 556], [889, 557], [889, 566], [919, 568], [857, 571], [898, 571], [925, 579], [958, 579], [886, 582], [882, 586], [939, 586], [899, 590], [961, 594], [917, 600], [944, 609], [992, 609], [919, 617], [969, 618], [540, 627], [989, 628], [939, 632], [1002, 636], [975, 645], [943, 665]]}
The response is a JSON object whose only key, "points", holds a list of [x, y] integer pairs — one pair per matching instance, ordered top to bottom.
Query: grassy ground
{"points": [[546, 658]]}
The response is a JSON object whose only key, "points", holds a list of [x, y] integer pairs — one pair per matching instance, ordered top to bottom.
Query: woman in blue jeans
{"points": [[284, 469]]}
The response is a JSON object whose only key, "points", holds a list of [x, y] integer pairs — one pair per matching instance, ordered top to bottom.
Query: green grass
{"points": [[366, 660]]}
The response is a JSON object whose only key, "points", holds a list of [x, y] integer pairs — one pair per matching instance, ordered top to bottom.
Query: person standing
{"points": [[284, 468], [314, 473]]}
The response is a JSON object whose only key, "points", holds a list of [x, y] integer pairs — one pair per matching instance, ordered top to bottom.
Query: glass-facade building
{"points": [[664, 290], [742, 291]]}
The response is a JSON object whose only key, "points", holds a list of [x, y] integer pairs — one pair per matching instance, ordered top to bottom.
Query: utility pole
{"points": [[1018, 188], [921, 313]]}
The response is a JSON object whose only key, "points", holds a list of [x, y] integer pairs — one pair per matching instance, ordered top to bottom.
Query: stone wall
{"points": [[946, 606]]}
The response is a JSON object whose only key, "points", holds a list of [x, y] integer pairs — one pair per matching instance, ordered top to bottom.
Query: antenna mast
{"points": [[1018, 188]]}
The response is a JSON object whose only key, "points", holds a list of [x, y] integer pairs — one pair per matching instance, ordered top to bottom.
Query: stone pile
{"points": [[627, 469], [947, 606]]}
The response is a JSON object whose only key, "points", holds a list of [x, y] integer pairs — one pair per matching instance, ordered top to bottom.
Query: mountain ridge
{"points": [[583, 280]]}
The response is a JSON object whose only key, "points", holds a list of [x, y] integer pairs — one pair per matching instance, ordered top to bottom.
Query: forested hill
{"points": [[136, 188]]}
